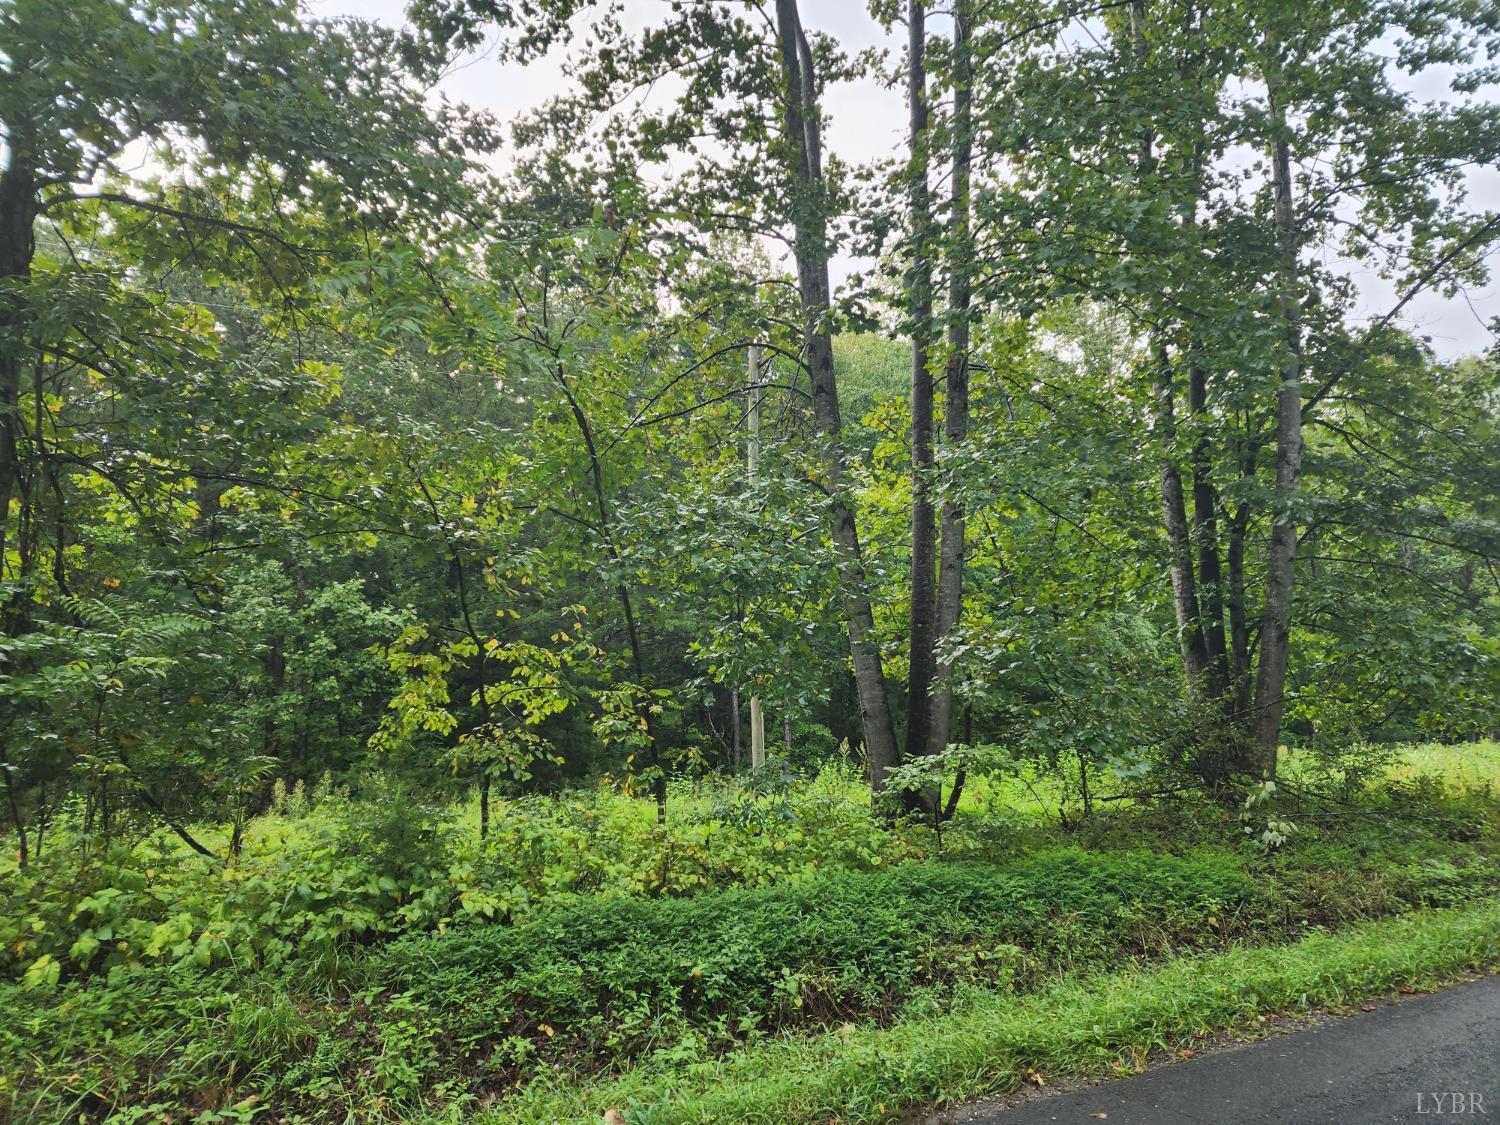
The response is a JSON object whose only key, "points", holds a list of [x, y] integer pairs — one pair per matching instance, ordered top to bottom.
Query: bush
{"points": [[322, 875], [305, 888], [608, 979], [604, 983], [1106, 1025]]}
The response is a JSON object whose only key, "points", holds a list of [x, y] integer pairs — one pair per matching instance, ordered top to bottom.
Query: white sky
{"points": [[868, 122]]}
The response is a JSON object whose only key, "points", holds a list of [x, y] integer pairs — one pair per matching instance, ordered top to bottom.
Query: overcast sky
{"points": [[868, 122]]}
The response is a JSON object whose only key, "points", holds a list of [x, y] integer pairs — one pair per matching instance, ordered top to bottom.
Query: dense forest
{"points": [[489, 626]]}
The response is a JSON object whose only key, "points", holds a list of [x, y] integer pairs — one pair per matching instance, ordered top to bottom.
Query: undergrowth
{"points": [[341, 970], [605, 985], [989, 1042]]}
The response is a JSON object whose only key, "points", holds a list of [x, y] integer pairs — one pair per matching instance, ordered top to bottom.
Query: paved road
{"points": [[1368, 1068]]}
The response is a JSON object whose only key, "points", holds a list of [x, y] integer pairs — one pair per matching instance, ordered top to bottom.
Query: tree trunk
{"points": [[803, 136], [17, 248], [919, 293], [956, 377], [1164, 423], [752, 465], [1179, 539], [1206, 539], [1210, 579], [458, 586], [1276, 619], [1239, 623], [632, 630], [757, 733], [653, 735], [736, 755], [960, 775], [15, 810]]}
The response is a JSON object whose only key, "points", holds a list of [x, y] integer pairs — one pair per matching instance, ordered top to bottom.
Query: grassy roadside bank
{"points": [[639, 1001], [986, 1043]]}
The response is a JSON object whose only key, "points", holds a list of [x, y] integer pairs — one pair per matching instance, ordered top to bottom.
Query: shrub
{"points": [[320, 877], [305, 888], [611, 978], [606, 982]]}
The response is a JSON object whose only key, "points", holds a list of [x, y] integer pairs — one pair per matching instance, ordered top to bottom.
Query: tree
{"points": [[802, 141], [277, 169], [762, 173], [1224, 285], [131, 291], [952, 546], [922, 631]]}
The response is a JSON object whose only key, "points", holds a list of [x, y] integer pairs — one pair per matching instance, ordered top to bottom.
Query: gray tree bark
{"points": [[804, 139], [17, 248], [956, 375], [752, 466], [1179, 537], [1206, 540], [1281, 555], [921, 630], [735, 754]]}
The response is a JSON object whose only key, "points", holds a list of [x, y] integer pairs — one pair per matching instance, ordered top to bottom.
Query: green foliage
{"points": [[341, 477], [299, 675], [531, 684], [324, 873], [308, 890], [583, 938], [618, 977], [1106, 1025]]}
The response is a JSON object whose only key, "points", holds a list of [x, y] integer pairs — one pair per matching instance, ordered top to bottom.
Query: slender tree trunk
{"points": [[804, 138], [17, 213], [17, 248], [17, 251], [919, 292], [1164, 423], [752, 466], [1205, 526], [1179, 538], [1206, 539], [1281, 556], [1210, 578], [458, 585], [950, 596], [1239, 615], [1239, 621], [1239, 624], [632, 630], [484, 701], [757, 733], [653, 734], [736, 753], [960, 775], [100, 777], [1085, 791], [15, 810], [42, 813]]}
